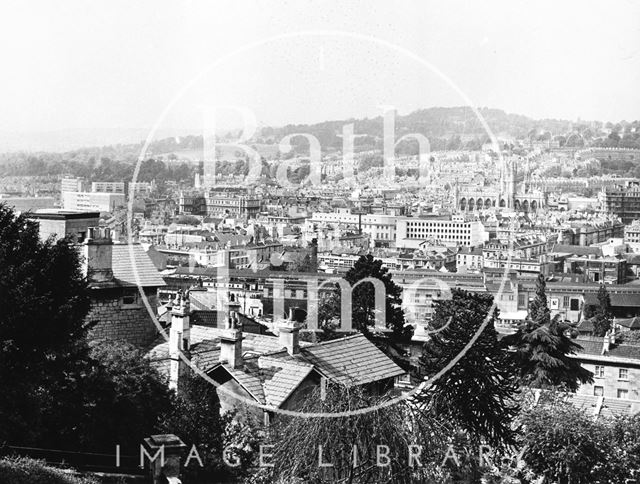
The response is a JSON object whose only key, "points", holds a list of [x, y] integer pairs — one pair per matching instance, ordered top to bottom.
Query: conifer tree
{"points": [[602, 317], [543, 348], [478, 392]]}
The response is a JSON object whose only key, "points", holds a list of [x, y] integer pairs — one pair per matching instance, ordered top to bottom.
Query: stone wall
{"points": [[116, 320]]}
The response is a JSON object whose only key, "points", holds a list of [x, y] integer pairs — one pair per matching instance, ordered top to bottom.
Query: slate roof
{"points": [[576, 250], [123, 267], [202, 299], [617, 300], [204, 318], [630, 323], [590, 346], [593, 346], [625, 351], [353, 360], [271, 375], [249, 378], [281, 378], [615, 407]]}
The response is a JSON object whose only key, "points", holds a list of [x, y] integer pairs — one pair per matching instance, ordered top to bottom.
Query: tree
{"points": [[44, 300], [363, 300], [539, 310], [602, 316], [543, 348], [543, 355], [478, 392], [121, 400], [195, 417], [296, 441], [566, 445]]}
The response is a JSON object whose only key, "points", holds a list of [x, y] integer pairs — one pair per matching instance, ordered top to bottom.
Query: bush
{"points": [[22, 470]]}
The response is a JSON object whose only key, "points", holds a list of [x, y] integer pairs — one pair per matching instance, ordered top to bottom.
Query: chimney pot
{"points": [[289, 335], [231, 348]]}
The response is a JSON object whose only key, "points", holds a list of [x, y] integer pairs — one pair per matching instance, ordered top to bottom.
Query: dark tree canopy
{"points": [[44, 302], [363, 302], [539, 309], [602, 313], [543, 348], [543, 353], [58, 391], [478, 392]]}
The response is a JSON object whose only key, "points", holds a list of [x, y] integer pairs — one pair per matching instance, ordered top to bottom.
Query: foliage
{"points": [[363, 300], [539, 310], [602, 317], [543, 348], [43, 353], [543, 354], [58, 390], [478, 392], [121, 400], [195, 417], [565, 444], [296, 454], [21, 470]]}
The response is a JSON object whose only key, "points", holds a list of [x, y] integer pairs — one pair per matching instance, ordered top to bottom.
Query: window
{"points": [[130, 298], [575, 304], [599, 373], [623, 374], [598, 391], [622, 393]]}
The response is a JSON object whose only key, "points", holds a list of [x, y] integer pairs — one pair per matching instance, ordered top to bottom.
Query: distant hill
{"points": [[447, 128]]}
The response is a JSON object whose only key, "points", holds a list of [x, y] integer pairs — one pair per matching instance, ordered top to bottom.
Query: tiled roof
{"points": [[576, 250], [124, 267], [203, 299], [617, 300], [205, 318], [631, 323], [590, 346], [625, 351], [206, 354], [353, 360], [272, 375], [249, 378], [281, 378], [584, 402], [615, 407]]}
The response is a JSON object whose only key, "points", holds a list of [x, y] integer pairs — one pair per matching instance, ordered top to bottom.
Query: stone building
{"points": [[117, 274]]}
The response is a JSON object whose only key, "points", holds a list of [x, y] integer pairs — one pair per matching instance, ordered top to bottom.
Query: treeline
{"points": [[104, 169]]}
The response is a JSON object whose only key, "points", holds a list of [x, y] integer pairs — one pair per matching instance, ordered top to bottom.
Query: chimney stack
{"points": [[97, 250], [289, 334], [179, 340], [607, 342], [231, 348]]}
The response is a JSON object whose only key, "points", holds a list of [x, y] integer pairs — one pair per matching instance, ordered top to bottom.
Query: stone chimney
{"points": [[97, 250], [289, 334], [609, 339], [179, 340], [231, 348]]}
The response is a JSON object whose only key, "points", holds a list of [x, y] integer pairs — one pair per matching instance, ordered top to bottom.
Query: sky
{"points": [[73, 67]]}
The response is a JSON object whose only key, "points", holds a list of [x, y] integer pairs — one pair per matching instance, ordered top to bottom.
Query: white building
{"points": [[72, 184], [108, 187], [140, 188], [92, 201], [380, 228], [414, 232]]}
